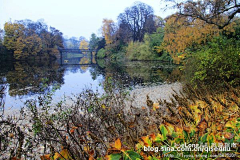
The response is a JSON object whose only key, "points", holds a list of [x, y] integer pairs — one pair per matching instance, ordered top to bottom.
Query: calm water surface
{"points": [[28, 80]]}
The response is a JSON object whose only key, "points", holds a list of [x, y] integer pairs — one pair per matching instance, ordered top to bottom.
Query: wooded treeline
{"points": [[205, 33], [202, 35], [25, 38]]}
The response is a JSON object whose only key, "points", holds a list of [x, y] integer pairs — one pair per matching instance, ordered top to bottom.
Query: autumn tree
{"points": [[217, 12], [136, 21], [108, 30], [182, 33], [56, 36], [14, 38], [25, 38], [83, 44]]}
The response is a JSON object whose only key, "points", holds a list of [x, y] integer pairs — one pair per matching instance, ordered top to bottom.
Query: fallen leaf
{"points": [[228, 135], [118, 144], [45, 157]]}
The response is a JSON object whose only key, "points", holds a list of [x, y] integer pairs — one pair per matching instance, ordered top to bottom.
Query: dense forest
{"points": [[202, 36], [25, 38]]}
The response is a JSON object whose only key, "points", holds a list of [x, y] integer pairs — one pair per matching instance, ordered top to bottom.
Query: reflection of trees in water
{"points": [[84, 61], [76, 68], [151, 72], [132, 73], [27, 78], [3, 87]]}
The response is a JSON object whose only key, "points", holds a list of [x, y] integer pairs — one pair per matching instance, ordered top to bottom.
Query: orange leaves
{"points": [[181, 34], [156, 106], [202, 126], [73, 129], [11, 135], [146, 140], [118, 144], [116, 147], [64, 154], [45, 157]]}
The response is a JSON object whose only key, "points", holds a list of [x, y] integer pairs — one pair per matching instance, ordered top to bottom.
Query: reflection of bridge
{"points": [[67, 54]]}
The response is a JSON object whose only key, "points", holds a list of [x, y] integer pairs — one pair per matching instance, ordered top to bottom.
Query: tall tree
{"points": [[217, 12], [138, 20], [108, 30], [182, 33], [26, 38], [74, 42], [93, 43], [83, 44]]}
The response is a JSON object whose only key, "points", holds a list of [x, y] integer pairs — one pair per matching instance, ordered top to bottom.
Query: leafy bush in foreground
{"points": [[216, 62], [104, 127]]}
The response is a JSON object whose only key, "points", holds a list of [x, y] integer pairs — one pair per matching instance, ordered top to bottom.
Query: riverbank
{"points": [[155, 93], [89, 126]]}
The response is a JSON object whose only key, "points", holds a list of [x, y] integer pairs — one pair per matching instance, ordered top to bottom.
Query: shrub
{"points": [[139, 51], [101, 53], [216, 62]]}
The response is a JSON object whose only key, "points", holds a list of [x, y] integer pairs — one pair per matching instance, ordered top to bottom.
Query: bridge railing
{"points": [[76, 50]]}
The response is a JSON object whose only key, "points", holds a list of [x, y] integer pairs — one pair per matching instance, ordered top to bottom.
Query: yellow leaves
{"points": [[108, 30], [181, 34], [83, 45], [84, 60], [103, 106], [156, 106], [230, 124], [170, 127], [147, 141], [118, 144], [64, 154]]}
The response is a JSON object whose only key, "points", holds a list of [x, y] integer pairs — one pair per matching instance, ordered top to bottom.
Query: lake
{"points": [[28, 80]]}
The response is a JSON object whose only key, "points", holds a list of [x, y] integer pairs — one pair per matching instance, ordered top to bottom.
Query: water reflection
{"points": [[138, 73], [33, 78], [26, 80]]}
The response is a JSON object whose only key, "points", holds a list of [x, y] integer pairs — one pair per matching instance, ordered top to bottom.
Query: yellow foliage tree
{"points": [[108, 30], [182, 33], [83, 44], [22, 45]]}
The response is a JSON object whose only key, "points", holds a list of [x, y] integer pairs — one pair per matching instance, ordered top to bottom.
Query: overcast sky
{"points": [[72, 17]]}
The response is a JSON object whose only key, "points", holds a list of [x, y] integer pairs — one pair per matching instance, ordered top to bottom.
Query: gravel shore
{"points": [[164, 92]]}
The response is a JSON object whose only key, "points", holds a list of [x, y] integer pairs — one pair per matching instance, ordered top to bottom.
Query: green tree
{"points": [[93, 43]]}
